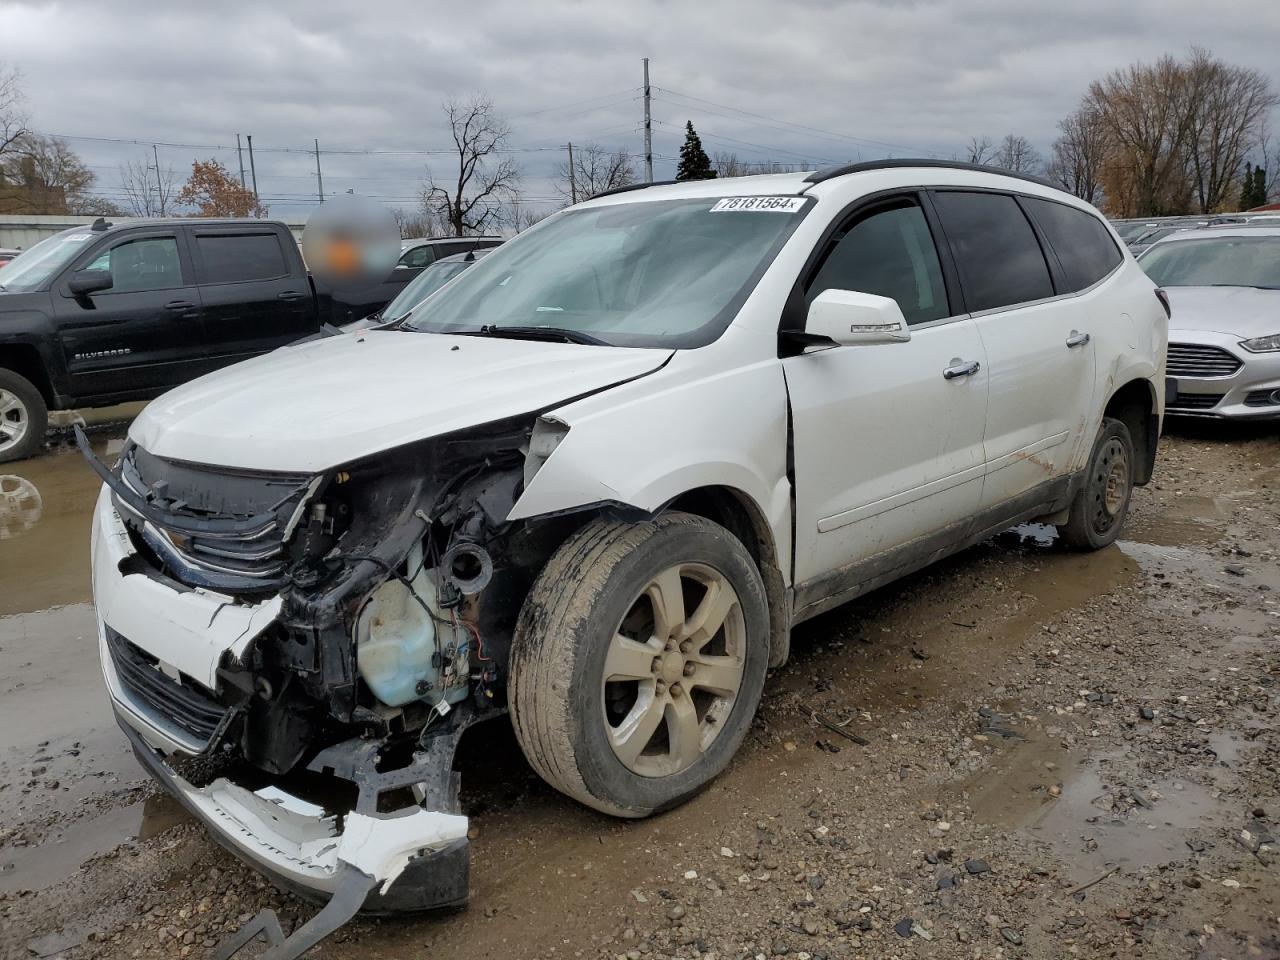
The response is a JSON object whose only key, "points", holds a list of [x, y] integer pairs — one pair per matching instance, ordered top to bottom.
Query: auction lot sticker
{"points": [[768, 204]]}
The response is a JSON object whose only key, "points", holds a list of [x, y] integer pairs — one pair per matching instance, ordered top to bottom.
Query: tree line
{"points": [[1170, 137], [1164, 138], [42, 175]]}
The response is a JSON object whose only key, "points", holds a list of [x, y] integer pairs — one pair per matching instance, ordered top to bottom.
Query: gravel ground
{"points": [[1022, 752]]}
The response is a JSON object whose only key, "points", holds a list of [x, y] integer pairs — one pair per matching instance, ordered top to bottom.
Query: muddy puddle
{"points": [[66, 777]]}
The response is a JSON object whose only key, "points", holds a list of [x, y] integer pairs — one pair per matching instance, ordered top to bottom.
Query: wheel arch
{"points": [[25, 360], [1135, 405], [742, 516]]}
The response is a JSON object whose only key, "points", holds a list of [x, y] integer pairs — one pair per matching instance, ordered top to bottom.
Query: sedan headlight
{"points": [[1262, 344]]}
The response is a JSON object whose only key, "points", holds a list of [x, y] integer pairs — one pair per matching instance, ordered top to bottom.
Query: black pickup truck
{"points": [[107, 313]]}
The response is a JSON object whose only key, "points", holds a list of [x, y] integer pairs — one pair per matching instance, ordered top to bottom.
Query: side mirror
{"points": [[85, 282], [847, 317]]}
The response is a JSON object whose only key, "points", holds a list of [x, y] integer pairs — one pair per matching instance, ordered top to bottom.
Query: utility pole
{"points": [[648, 128], [240, 154], [253, 171], [319, 179], [573, 182], [159, 186]]}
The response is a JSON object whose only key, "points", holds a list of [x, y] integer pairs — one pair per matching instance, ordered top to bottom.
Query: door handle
{"points": [[289, 295], [179, 305], [1077, 339], [959, 369]]}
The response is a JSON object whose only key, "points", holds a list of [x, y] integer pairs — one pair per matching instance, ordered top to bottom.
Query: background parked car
{"points": [[7, 254], [1223, 284], [422, 286], [348, 306], [100, 315]]}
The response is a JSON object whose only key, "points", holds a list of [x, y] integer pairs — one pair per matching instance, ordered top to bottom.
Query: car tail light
{"points": [[1164, 302]]}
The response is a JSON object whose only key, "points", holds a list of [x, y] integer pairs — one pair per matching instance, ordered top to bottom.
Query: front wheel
{"points": [[24, 418], [1100, 506], [638, 662]]}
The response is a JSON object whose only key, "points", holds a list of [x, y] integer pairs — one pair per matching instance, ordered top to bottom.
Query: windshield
{"points": [[1129, 231], [1151, 236], [1220, 262], [31, 268], [666, 273], [422, 286]]}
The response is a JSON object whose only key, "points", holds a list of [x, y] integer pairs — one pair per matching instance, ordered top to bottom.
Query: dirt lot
{"points": [[1066, 755]]}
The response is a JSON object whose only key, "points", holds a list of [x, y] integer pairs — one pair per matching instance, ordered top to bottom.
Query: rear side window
{"points": [[1083, 245], [889, 253], [236, 257], [417, 257], [999, 257]]}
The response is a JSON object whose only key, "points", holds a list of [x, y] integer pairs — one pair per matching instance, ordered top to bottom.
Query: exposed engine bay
{"points": [[395, 585]]}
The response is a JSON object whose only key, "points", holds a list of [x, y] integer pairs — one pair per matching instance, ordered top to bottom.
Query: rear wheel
{"points": [[24, 418], [1101, 504], [638, 662]]}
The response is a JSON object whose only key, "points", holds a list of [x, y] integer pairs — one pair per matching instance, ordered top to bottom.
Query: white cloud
{"points": [[887, 77]]}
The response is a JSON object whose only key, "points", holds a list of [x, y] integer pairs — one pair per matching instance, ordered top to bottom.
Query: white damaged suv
{"points": [[593, 482]]}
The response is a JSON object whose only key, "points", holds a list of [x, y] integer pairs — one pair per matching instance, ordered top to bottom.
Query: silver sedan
{"points": [[1223, 285]]}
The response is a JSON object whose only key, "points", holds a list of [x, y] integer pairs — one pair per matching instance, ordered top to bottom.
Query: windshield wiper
{"points": [[539, 333]]}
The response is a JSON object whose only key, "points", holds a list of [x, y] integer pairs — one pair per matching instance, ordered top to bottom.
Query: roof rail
{"points": [[820, 175], [629, 187]]}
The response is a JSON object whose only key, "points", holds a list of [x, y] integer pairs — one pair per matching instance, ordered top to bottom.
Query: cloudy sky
{"points": [[809, 82]]}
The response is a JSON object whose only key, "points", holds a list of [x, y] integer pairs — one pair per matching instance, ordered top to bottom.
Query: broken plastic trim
{"points": [[140, 506], [294, 843]]}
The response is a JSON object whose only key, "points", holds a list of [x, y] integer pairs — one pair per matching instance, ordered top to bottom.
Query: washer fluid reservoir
{"points": [[406, 653]]}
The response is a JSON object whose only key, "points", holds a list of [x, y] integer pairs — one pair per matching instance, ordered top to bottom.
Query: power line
{"points": [[574, 103], [801, 126], [758, 146]]}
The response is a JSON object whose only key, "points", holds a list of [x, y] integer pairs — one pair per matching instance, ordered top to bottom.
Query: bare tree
{"points": [[1230, 106], [1148, 113], [13, 116], [980, 150], [1269, 151], [1079, 153], [1017, 154], [727, 164], [595, 169], [44, 176], [149, 191], [472, 201], [521, 214], [418, 223]]}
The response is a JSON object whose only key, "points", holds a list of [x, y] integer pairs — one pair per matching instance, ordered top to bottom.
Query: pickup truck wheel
{"points": [[24, 418], [1100, 506], [638, 662]]}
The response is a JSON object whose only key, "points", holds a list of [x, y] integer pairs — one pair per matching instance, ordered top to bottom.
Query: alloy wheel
{"points": [[15, 420], [673, 670]]}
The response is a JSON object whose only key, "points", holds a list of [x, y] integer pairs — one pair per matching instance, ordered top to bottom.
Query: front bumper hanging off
{"points": [[412, 860], [405, 862]]}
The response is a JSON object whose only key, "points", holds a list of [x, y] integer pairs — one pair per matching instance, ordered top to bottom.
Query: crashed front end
{"points": [[296, 656]]}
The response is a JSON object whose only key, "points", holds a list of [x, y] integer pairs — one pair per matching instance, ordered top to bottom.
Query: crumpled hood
{"points": [[1242, 312], [315, 405]]}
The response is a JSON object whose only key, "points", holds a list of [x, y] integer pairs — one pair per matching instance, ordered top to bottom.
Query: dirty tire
{"points": [[22, 413], [1098, 510], [567, 625]]}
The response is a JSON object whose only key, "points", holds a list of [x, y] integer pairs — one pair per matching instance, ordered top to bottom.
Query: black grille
{"points": [[1200, 361], [1262, 398], [1195, 401], [210, 527], [185, 704]]}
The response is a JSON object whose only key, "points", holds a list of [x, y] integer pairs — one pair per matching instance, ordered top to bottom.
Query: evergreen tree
{"points": [[694, 162], [1259, 186], [1246, 188]]}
